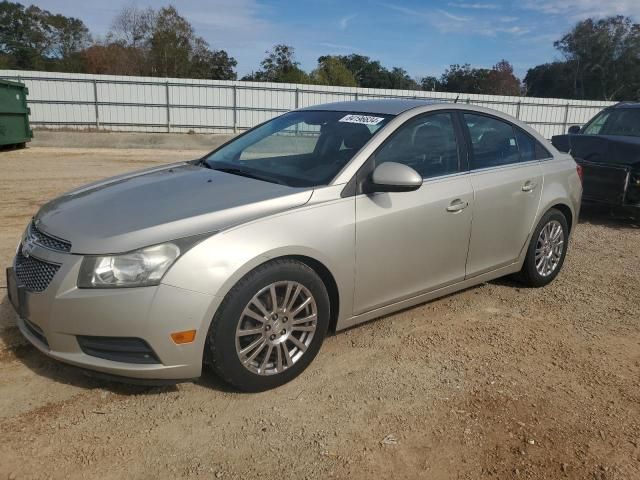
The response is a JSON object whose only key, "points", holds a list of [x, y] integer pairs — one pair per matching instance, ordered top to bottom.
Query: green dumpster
{"points": [[14, 114]]}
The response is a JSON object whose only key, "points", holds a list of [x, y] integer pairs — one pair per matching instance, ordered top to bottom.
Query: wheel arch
{"points": [[566, 211], [319, 267], [329, 282]]}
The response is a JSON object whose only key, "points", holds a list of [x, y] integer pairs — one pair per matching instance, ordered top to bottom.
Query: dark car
{"points": [[608, 149]]}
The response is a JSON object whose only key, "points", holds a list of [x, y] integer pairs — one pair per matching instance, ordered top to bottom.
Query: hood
{"points": [[161, 204]]}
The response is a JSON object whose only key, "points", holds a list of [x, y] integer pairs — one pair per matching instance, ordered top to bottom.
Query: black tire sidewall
{"points": [[532, 276], [221, 339]]}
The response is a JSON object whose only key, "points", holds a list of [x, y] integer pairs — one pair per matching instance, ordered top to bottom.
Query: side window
{"points": [[595, 127], [493, 141], [426, 144], [526, 145], [542, 152]]}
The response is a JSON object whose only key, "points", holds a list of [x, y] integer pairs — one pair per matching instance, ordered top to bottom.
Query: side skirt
{"points": [[426, 297]]}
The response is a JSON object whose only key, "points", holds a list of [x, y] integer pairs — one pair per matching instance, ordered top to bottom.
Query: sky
{"points": [[423, 37]]}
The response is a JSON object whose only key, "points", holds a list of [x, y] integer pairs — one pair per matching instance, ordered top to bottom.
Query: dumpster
{"points": [[14, 114]]}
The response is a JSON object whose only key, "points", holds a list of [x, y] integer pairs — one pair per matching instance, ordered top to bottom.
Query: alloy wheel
{"points": [[549, 248], [276, 327]]}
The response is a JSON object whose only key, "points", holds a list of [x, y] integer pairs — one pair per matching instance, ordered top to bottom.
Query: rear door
{"points": [[507, 181]]}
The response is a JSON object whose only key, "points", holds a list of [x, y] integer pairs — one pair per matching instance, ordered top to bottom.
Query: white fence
{"points": [[151, 104]]}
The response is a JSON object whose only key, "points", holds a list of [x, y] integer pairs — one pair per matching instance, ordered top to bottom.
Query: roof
{"points": [[626, 105], [384, 107]]}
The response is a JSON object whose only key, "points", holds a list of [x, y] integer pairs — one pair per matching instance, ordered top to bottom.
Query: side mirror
{"points": [[574, 129], [395, 177]]}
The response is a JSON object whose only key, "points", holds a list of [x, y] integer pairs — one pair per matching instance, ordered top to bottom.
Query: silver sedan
{"points": [[310, 223]]}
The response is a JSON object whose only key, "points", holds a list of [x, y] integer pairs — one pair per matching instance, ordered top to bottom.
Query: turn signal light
{"points": [[580, 172], [187, 336]]}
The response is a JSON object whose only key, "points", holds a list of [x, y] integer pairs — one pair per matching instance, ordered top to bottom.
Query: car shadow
{"points": [[612, 217], [18, 348]]}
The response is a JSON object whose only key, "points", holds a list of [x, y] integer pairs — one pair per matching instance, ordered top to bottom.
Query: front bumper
{"points": [[52, 320]]}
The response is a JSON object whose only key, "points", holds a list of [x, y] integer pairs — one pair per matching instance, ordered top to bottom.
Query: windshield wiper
{"points": [[245, 173]]}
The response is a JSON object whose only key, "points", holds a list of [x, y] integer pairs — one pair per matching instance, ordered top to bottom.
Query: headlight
{"points": [[140, 268]]}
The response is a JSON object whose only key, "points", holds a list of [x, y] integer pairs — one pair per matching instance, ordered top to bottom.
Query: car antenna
{"points": [[456, 100]]}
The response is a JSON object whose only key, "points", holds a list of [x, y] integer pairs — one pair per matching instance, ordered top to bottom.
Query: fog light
{"points": [[187, 336]]}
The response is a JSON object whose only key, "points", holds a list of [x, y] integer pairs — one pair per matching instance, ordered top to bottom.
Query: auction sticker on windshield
{"points": [[362, 119]]}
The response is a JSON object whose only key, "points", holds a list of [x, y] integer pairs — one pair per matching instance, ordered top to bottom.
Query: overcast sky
{"points": [[424, 37]]}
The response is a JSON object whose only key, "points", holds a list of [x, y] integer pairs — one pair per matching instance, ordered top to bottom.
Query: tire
{"points": [[533, 274], [229, 341]]}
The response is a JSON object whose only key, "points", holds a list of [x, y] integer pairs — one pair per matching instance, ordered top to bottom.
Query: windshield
{"points": [[620, 121], [300, 149]]}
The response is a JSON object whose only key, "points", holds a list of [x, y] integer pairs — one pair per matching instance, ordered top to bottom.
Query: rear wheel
{"points": [[547, 250], [270, 326]]}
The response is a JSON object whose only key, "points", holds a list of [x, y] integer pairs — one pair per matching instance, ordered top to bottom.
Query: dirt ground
{"points": [[498, 381]]}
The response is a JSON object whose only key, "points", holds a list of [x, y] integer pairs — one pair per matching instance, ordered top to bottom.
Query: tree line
{"points": [[600, 57]]}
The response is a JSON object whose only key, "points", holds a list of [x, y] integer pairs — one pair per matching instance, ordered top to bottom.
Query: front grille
{"points": [[47, 241], [34, 274], [36, 332], [118, 349]]}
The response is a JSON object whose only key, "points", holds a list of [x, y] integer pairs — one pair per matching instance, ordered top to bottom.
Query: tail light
{"points": [[580, 171]]}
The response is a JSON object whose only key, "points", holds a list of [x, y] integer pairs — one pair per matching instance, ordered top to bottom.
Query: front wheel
{"points": [[547, 250], [270, 326]]}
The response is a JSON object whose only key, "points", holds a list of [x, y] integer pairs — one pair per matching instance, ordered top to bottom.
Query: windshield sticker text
{"points": [[363, 119]]}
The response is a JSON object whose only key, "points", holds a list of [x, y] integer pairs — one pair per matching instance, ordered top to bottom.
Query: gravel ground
{"points": [[498, 381]]}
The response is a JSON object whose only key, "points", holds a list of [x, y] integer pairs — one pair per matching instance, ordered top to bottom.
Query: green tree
{"points": [[32, 38], [171, 44], [606, 58], [602, 62], [211, 64], [280, 66], [331, 71], [368, 73], [400, 79], [464, 79], [550, 80], [430, 84]]}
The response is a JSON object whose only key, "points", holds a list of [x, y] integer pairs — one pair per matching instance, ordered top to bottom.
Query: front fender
{"points": [[324, 232]]}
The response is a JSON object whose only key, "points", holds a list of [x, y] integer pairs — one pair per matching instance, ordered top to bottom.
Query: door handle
{"points": [[529, 186], [457, 206]]}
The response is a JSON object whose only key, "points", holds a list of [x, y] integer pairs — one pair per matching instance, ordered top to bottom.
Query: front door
{"points": [[408, 243]]}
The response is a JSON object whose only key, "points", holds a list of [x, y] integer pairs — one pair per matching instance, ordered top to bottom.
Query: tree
{"points": [[133, 27], [69, 37], [32, 38], [163, 43], [171, 44], [606, 58], [114, 59], [602, 62], [212, 64], [280, 66], [331, 71], [368, 73], [400, 79], [464, 79], [501, 80], [550, 80], [430, 84]]}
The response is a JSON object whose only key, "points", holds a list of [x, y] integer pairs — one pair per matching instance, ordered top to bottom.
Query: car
{"points": [[608, 149], [310, 223]]}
